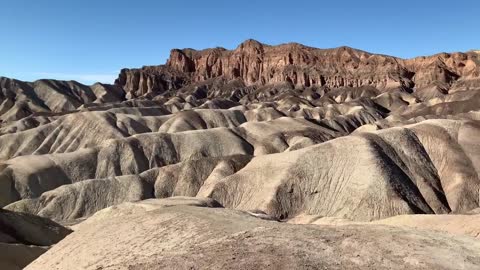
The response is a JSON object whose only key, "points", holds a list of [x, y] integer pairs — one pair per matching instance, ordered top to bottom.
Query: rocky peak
{"points": [[250, 45], [180, 61], [259, 64]]}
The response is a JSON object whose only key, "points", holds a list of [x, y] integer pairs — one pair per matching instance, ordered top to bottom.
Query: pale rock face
{"points": [[182, 233]]}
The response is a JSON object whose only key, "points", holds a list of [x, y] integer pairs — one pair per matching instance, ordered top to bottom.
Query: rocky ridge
{"points": [[257, 64]]}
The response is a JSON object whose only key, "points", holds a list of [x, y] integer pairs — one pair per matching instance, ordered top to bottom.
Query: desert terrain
{"points": [[260, 157]]}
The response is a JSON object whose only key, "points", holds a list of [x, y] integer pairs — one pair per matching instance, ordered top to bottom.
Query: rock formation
{"points": [[259, 64], [275, 134]]}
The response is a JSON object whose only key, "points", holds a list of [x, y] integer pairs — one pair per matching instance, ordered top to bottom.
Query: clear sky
{"points": [[91, 40]]}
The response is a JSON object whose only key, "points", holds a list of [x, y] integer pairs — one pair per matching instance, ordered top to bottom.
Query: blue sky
{"points": [[91, 40]]}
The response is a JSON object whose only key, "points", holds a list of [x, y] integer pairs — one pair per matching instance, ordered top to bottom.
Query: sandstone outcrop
{"points": [[259, 64]]}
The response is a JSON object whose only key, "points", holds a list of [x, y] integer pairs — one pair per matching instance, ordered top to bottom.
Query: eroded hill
{"points": [[289, 132]]}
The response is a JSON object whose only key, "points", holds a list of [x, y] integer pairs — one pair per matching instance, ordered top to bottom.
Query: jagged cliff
{"points": [[258, 64], [253, 72]]}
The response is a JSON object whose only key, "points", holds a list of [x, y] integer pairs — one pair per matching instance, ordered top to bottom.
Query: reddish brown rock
{"points": [[255, 63]]}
